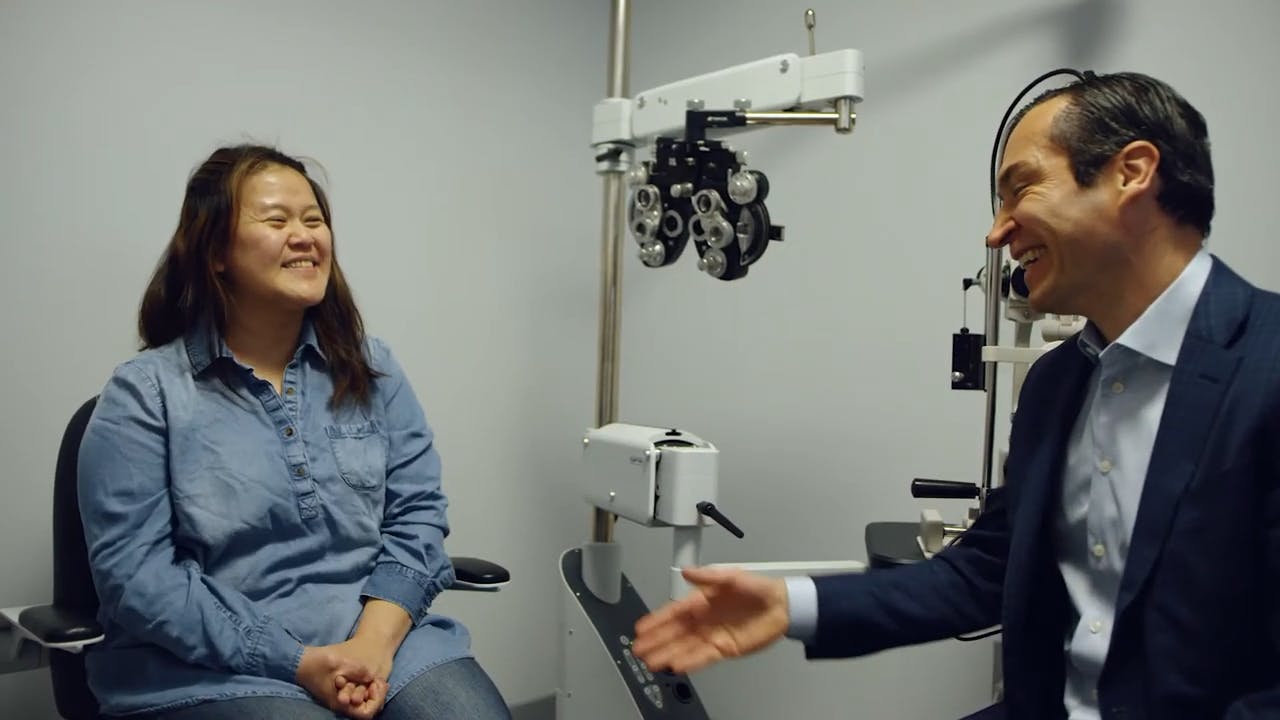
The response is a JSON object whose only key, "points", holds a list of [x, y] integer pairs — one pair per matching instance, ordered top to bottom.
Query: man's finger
{"points": [[711, 576], [694, 603], [688, 619], [661, 636], [656, 653], [676, 655], [695, 658]]}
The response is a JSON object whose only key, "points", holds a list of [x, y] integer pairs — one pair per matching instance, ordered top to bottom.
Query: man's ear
{"points": [[1136, 167]]}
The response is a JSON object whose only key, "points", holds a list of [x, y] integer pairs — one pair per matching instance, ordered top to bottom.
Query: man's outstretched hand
{"points": [[729, 613]]}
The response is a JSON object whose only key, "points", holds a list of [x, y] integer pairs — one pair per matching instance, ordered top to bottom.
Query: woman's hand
{"points": [[373, 645], [370, 653], [327, 671]]}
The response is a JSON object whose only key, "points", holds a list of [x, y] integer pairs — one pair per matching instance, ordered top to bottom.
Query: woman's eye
{"points": [[276, 220]]}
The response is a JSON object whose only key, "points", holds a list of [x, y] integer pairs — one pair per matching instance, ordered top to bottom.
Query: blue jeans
{"points": [[456, 690]]}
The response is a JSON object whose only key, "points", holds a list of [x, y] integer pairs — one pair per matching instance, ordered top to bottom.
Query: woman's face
{"points": [[281, 249]]}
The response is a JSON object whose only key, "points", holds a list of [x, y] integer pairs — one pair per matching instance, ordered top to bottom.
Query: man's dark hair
{"points": [[1104, 113]]}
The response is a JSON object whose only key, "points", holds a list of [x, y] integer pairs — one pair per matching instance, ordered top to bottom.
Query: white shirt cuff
{"points": [[802, 604]]}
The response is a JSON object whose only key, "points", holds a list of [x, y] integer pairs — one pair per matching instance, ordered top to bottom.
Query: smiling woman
{"points": [[248, 212], [279, 256], [259, 487]]}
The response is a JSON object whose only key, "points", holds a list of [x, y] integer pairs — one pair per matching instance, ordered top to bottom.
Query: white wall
{"points": [[467, 217], [823, 376]]}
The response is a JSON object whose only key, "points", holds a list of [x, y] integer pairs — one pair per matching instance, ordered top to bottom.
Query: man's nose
{"points": [[1001, 231]]}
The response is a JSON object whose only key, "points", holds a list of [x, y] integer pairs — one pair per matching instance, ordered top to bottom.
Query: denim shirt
{"points": [[228, 525]]}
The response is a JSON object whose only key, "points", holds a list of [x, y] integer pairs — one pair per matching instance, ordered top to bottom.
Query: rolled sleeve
{"points": [[412, 566], [411, 590], [275, 652]]}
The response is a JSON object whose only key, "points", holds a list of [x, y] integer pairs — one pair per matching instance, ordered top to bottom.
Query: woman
{"points": [[259, 490]]}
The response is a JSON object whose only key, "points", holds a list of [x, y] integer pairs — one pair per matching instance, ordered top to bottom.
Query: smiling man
{"points": [[1133, 558]]}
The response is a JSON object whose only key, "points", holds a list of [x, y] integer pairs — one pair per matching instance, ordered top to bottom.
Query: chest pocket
{"points": [[360, 452]]}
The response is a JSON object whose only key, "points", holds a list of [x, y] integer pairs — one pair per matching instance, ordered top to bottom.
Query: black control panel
{"points": [[657, 695]]}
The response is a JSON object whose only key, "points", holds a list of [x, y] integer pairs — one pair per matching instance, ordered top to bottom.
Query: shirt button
{"points": [[1117, 387], [290, 391], [288, 432], [1105, 466], [300, 471], [1099, 550], [1095, 627]]}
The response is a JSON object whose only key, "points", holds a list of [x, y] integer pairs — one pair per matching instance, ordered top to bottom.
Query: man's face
{"points": [[1063, 235]]}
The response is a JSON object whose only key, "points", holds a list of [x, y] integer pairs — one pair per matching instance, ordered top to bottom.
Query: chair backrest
{"points": [[72, 581]]}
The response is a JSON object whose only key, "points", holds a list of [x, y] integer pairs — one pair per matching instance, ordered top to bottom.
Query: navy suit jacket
{"points": [[1197, 625]]}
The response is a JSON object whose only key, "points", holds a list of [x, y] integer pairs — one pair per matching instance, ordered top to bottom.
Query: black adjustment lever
{"points": [[925, 488], [711, 511]]}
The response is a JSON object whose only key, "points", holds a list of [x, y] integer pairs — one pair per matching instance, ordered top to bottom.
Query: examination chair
{"points": [[70, 624]]}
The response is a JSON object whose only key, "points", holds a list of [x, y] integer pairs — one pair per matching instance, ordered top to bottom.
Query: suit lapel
{"points": [[1201, 378], [1032, 547]]}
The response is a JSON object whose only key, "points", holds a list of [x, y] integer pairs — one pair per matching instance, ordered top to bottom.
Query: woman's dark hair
{"points": [[1104, 113], [186, 290]]}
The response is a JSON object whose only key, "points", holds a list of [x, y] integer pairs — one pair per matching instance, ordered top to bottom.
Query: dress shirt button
{"points": [[1117, 387], [290, 391], [288, 432], [1105, 466], [300, 471], [1099, 550], [1095, 627]]}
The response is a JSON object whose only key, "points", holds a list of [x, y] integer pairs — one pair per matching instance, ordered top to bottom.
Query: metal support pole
{"points": [[610, 255], [992, 330]]}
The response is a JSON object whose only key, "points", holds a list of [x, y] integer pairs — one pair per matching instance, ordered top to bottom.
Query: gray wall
{"points": [[455, 140], [467, 218]]}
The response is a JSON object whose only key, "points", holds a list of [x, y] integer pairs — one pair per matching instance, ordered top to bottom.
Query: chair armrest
{"points": [[477, 574], [54, 627]]}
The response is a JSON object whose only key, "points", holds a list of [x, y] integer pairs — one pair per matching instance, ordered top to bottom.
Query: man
{"points": [[1134, 557]]}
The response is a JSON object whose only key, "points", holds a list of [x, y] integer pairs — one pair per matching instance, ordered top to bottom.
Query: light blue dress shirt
{"points": [[1106, 467], [229, 525]]}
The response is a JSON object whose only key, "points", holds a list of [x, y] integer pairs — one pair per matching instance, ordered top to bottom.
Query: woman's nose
{"points": [[300, 235]]}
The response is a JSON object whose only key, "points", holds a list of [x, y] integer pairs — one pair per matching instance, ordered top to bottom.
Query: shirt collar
{"points": [[1158, 331], [308, 339], [205, 344]]}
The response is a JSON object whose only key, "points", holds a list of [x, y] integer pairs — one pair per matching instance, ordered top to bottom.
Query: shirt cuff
{"points": [[403, 586], [802, 607], [276, 652]]}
